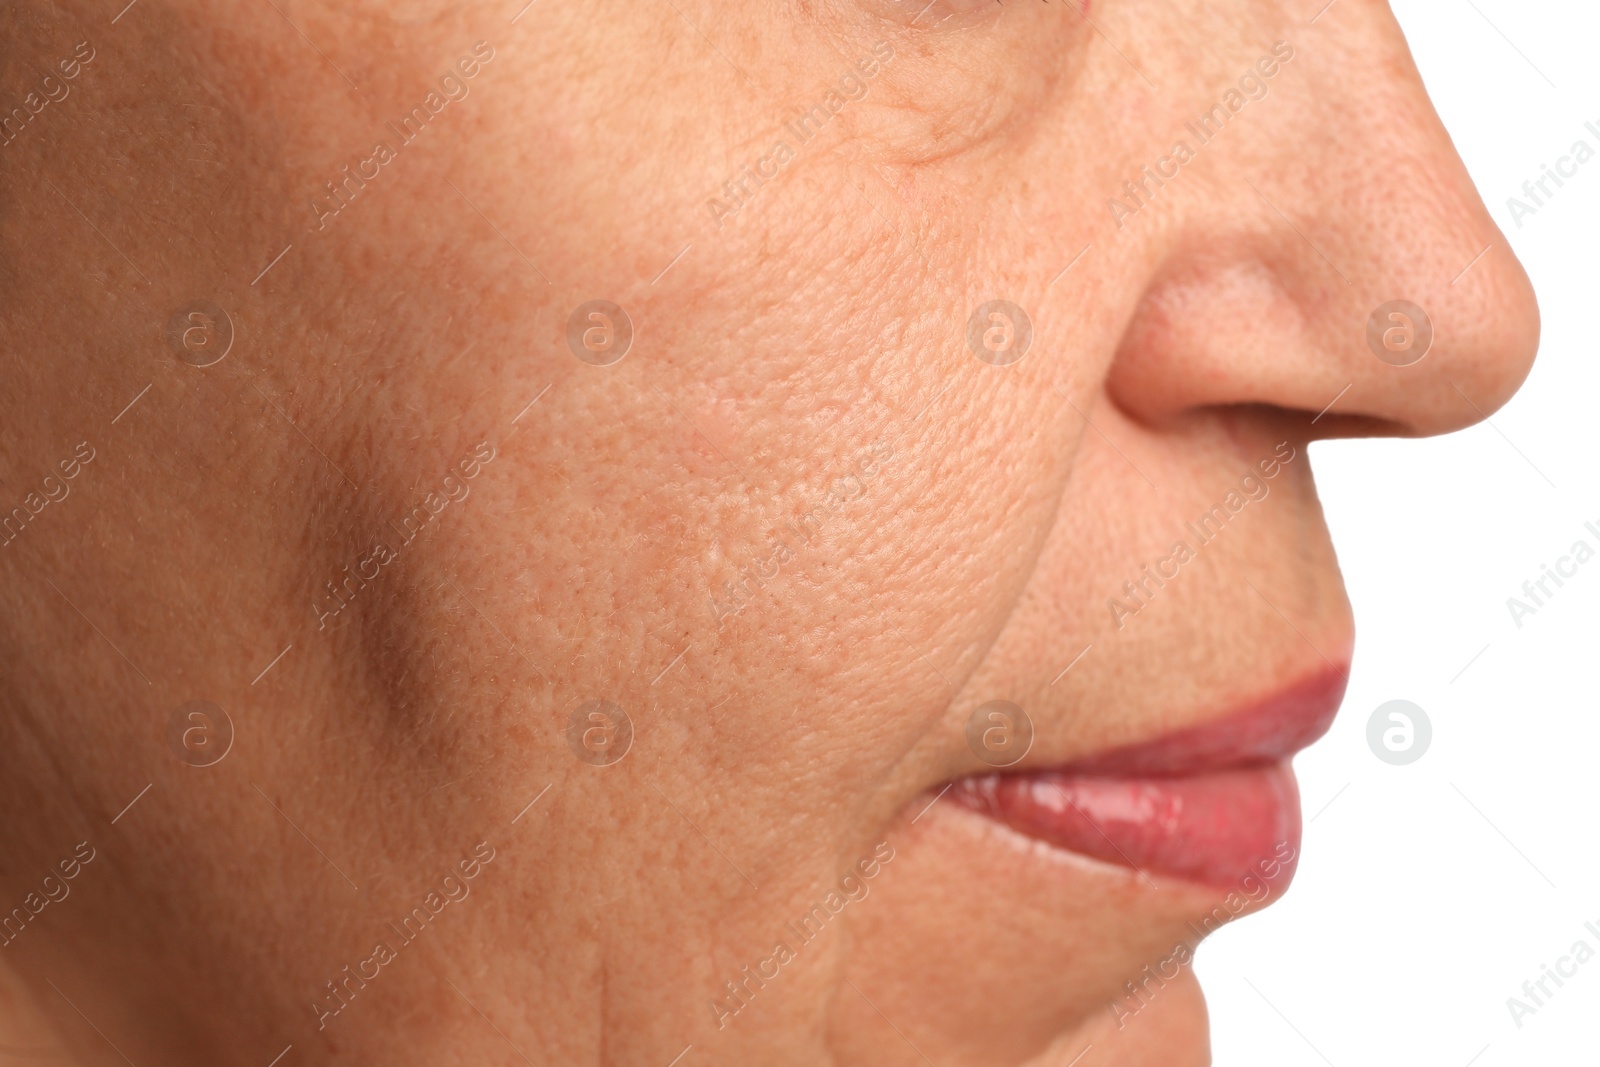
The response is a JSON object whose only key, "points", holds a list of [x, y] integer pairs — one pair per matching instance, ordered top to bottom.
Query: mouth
{"points": [[1209, 803]]}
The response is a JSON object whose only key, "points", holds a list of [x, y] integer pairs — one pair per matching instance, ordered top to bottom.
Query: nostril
{"points": [[1218, 327]]}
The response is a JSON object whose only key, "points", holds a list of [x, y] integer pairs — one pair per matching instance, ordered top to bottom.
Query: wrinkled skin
{"points": [[815, 333]]}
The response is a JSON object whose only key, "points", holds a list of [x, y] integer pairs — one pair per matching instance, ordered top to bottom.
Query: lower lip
{"points": [[1215, 828]]}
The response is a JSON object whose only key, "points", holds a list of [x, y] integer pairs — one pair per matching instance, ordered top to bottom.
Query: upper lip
{"points": [[1267, 730]]}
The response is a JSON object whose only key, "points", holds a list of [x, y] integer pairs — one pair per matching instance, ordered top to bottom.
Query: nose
{"points": [[1346, 268]]}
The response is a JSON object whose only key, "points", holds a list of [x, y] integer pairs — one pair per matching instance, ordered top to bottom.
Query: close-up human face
{"points": [[755, 533]]}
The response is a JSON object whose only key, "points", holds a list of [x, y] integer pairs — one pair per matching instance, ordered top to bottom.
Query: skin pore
{"points": [[798, 533]]}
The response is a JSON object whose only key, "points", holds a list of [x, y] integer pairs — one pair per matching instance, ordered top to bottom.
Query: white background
{"points": [[1415, 916]]}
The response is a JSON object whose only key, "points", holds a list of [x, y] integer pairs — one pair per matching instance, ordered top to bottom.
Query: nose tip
{"points": [[1354, 273], [1442, 323], [1453, 324], [1485, 335]]}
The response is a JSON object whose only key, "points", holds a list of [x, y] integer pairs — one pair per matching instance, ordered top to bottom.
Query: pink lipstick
{"points": [[1208, 803]]}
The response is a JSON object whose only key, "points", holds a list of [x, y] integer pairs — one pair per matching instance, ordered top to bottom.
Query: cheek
{"points": [[920, 14]]}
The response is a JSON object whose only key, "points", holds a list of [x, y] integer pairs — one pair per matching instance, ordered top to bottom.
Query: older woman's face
{"points": [[948, 354]]}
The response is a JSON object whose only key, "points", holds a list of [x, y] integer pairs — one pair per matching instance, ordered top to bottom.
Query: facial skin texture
{"points": [[817, 332]]}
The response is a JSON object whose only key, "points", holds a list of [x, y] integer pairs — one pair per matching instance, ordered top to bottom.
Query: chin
{"points": [[990, 948], [1173, 1031]]}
